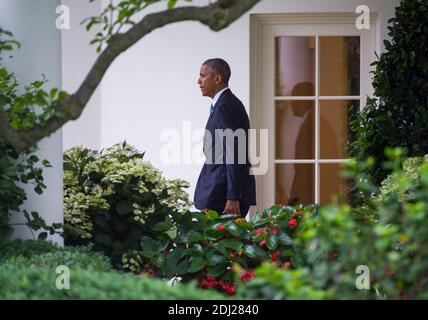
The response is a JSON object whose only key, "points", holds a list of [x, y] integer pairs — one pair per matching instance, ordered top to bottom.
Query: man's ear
{"points": [[218, 78]]}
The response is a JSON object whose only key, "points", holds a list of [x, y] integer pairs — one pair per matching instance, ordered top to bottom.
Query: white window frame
{"points": [[263, 30]]}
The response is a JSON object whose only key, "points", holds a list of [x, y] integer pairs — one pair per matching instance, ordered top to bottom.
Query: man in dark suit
{"points": [[225, 183]]}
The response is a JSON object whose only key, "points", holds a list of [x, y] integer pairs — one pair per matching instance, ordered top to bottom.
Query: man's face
{"points": [[208, 81]]}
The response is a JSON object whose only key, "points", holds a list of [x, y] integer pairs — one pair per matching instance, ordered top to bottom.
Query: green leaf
{"points": [[171, 3], [122, 14], [37, 84], [53, 93], [33, 158], [46, 163], [124, 207], [211, 215], [162, 226], [232, 228], [42, 236], [195, 236], [285, 239], [272, 242], [231, 244], [149, 246], [197, 248], [249, 251], [260, 253], [216, 259], [197, 264], [217, 271]]}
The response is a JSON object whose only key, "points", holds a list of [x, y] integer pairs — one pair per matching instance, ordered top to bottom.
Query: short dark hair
{"points": [[221, 67]]}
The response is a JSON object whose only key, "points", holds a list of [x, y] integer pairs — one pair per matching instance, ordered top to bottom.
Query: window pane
{"points": [[295, 66], [339, 66], [334, 127], [295, 130], [332, 183], [294, 184]]}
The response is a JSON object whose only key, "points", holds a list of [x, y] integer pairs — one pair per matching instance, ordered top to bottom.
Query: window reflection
{"points": [[295, 63], [339, 66], [334, 127], [295, 130], [332, 183], [295, 184]]}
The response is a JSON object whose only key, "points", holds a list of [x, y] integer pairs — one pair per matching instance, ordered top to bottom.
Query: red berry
{"points": [[292, 223], [220, 228]]}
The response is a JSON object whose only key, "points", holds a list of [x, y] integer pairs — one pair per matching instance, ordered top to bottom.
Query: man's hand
{"points": [[232, 206]]}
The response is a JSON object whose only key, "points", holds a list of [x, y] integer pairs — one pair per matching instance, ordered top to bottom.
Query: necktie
{"points": [[212, 109]]}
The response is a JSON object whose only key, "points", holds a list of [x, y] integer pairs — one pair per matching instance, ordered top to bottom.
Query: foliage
{"points": [[116, 16], [397, 116], [16, 168], [409, 173], [113, 198], [125, 208], [389, 236], [205, 246], [25, 248], [42, 253], [75, 257], [28, 271], [274, 282], [39, 283]]}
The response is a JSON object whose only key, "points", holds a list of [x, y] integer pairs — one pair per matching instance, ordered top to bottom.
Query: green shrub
{"points": [[22, 110], [397, 116], [394, 184], [113, 198], [389, 235], [206, 245], [26, 248], [41, 253], [77, 257], [39, 283], [278, 283]]}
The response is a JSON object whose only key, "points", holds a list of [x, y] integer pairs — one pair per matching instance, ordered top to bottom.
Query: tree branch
{"points": [[217, 16]]}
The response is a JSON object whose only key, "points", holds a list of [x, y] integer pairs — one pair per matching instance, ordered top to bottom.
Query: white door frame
{"points": [[263, 29]]}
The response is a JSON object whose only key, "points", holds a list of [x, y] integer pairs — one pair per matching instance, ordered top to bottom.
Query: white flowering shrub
{"points": [[114, 198]]}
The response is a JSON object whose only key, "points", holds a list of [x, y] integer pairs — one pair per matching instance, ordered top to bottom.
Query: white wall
{"points": [[33, 24], [77, 58], [152, 86]]}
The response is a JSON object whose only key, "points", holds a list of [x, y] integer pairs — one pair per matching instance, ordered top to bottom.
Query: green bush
{"points": [[397, 116], [18, 168], [394, 185], [113, 198], [122, 205], [389, 235], [206, 245], [26, 248], [41, 253], [77, 257], [273, 282], [39, 283]]}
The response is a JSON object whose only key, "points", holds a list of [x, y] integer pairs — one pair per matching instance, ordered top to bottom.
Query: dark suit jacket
{"points": [[219, 182]]}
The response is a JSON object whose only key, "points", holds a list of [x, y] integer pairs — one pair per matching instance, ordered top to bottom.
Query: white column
{"points": [[33, 25], [77, 59]]}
